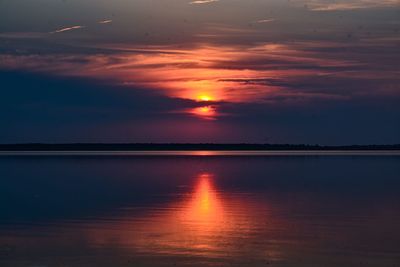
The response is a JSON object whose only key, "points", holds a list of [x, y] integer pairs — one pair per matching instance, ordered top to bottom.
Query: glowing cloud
{"points": [[202, 74], [206, 112]]}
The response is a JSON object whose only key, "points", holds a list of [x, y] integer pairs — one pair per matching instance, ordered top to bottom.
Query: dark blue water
{"points": [[200, 211]]}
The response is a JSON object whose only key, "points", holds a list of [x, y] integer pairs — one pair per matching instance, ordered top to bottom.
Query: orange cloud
{"points": [[263, 73]]}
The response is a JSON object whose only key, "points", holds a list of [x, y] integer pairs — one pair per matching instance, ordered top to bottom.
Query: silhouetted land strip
{"points": [[188, 147]]}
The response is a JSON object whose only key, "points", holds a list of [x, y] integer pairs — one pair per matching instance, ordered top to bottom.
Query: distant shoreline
{"points": [[103, 147]]}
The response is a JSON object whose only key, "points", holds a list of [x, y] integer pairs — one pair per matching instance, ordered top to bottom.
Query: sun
{"points": [[205, 98]]}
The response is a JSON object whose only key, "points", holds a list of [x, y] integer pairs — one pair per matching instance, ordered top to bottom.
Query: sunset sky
{"points": [[258, 71]]}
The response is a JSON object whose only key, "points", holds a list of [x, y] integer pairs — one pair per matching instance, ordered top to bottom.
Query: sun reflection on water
{"points": [[204, 209], [204, 219], [204, 222], [201, 223]]}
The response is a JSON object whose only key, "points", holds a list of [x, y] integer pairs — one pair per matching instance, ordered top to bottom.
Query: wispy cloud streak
{"points": [[200, 2], [318, 5], [265, 20], [105, 21], [68, 29]]}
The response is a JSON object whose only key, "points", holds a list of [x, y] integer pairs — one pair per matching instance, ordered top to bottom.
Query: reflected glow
{"points": [[204, 153]]}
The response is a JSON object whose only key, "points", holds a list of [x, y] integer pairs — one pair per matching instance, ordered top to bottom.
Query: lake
{"points": [[196, 210]]}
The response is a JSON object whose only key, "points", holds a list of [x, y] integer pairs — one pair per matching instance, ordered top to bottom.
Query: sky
{"points": [[256, 71]]}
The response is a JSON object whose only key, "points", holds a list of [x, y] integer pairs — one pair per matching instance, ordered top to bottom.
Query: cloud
{"points": [[200, 2], [321, 5], [265, 20], [105, 21], [78, 27], [68, 29], [22, 35], [294, 72], [269, 89], [87, 110]]}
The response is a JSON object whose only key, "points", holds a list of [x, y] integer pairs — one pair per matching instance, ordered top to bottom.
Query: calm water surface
{"points": [[200, 211]]}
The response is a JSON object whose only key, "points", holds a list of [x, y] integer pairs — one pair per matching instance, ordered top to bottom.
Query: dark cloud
{"points": [[34, 104], [41, 108], [364, 121]]}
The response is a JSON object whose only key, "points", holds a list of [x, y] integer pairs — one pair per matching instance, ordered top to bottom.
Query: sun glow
{"points": [[205, 98], [205, 112]]}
